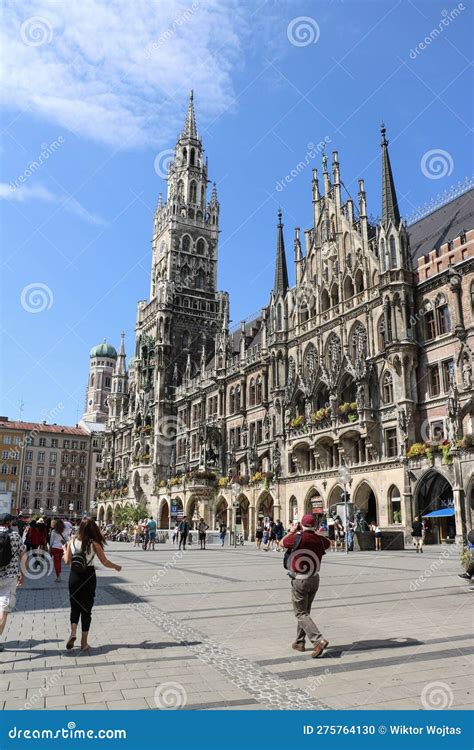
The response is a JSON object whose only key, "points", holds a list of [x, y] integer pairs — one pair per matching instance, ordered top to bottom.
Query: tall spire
{"points": [[190, 122], [389, 197], [281, 272], [120, 368]]}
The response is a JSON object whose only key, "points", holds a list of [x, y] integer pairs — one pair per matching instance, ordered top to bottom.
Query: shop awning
{"points": [[440, 513]]}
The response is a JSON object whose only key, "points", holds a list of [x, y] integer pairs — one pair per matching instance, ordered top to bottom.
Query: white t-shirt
{"points": [[57, 541], [76, 548]]}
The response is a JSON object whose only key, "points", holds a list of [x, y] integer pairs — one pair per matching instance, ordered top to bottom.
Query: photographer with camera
{"points": [[304, 551]]}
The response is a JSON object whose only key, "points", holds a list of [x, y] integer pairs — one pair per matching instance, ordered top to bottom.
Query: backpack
{"points": [[6, 552], [289, 552], [79, 561]]}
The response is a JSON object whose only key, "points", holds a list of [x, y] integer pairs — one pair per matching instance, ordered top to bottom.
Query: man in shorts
{"points": [[151, 528], [12, 567]]}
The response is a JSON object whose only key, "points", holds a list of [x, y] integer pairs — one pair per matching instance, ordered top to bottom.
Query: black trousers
{"points": [[182, 540], [82, 587]]}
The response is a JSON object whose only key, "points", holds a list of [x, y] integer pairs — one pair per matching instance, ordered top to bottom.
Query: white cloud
{"points": [[119, 72], [24, 193]]}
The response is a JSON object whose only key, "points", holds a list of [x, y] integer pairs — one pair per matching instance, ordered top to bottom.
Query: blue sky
{"points": [[101, 90]]}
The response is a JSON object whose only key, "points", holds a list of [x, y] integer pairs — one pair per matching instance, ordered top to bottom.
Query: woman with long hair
{"points": [[57, 540], [80, 553]]}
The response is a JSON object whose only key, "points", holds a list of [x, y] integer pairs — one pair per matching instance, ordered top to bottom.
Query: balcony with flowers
{"points": [[324, 419], [432, 452]]}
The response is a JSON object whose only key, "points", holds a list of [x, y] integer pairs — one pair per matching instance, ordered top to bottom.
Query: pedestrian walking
{"points": [[202, 527], [151, 528], [183, 531], [332, 531], [222, 533], [176, 534], [279, 534], [417, 534], [259, 535], [350, 536], [378, 536], [266, 537], [57, 542], [305, 549], [80, 554], [12, 566]]}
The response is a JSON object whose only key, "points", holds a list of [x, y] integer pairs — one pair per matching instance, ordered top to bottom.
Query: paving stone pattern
{"points": [[213, 630]]}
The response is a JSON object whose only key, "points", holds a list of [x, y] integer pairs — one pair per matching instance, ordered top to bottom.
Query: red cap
{"points": [[308, 520]]}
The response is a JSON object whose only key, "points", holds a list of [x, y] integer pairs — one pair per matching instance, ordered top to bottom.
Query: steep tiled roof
{"points": [[441, 226], [40, 427]]}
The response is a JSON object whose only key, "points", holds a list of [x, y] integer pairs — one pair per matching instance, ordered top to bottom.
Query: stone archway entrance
{"points": [[435, 493], [365, 500], [265, 506], [101, 514], [221, 514], [164, 515], [244, 515]]}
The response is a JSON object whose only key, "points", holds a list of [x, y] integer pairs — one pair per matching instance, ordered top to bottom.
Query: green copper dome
{"points": [[103, 350]]}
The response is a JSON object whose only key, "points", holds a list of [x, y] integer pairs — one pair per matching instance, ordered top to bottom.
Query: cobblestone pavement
{"points": [[213, 629]]}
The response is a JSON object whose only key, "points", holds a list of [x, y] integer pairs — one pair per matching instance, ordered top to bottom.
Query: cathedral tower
{"points": [[102, 363]]}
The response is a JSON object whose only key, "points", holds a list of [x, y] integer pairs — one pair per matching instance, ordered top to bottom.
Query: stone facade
{"points": [[337, 371]]}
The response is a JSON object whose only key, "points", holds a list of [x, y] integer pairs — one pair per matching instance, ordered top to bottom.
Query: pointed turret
{"points": [[189, 130], [390, 210], [281, 272], [120, 367]]}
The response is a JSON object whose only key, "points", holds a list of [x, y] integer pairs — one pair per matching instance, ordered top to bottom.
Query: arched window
{"points": [[185, 155], [192, 157], [180, 190], [192, 191], [186, 243], [200, 247], [393, 252], [382, 254], [200, 279], [359, 281], [348, 288], [334, 295], [325, 301], [92, 379], [387, 388], [258, 390], [252, 393], [232, 401], [395, 505]]}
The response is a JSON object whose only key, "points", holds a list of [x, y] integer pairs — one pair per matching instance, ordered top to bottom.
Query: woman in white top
{"points": [[57, 540], [80, 553]]}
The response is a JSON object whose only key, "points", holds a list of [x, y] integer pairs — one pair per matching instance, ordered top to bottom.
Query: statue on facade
{"points": [[466, 373], [360, 397], [452, 422], [276, 460]]}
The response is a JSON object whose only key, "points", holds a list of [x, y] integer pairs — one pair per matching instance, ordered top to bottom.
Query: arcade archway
{"points": [[365, 500]]}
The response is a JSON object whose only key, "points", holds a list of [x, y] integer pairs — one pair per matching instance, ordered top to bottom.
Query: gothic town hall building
{"points": [[366, 363]]}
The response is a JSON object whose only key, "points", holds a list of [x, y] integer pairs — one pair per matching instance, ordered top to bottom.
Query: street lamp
{"points": [[345, 477]]}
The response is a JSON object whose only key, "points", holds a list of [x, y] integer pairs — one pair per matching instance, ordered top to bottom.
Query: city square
{"points": [[237, 393], [213, 630]]}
